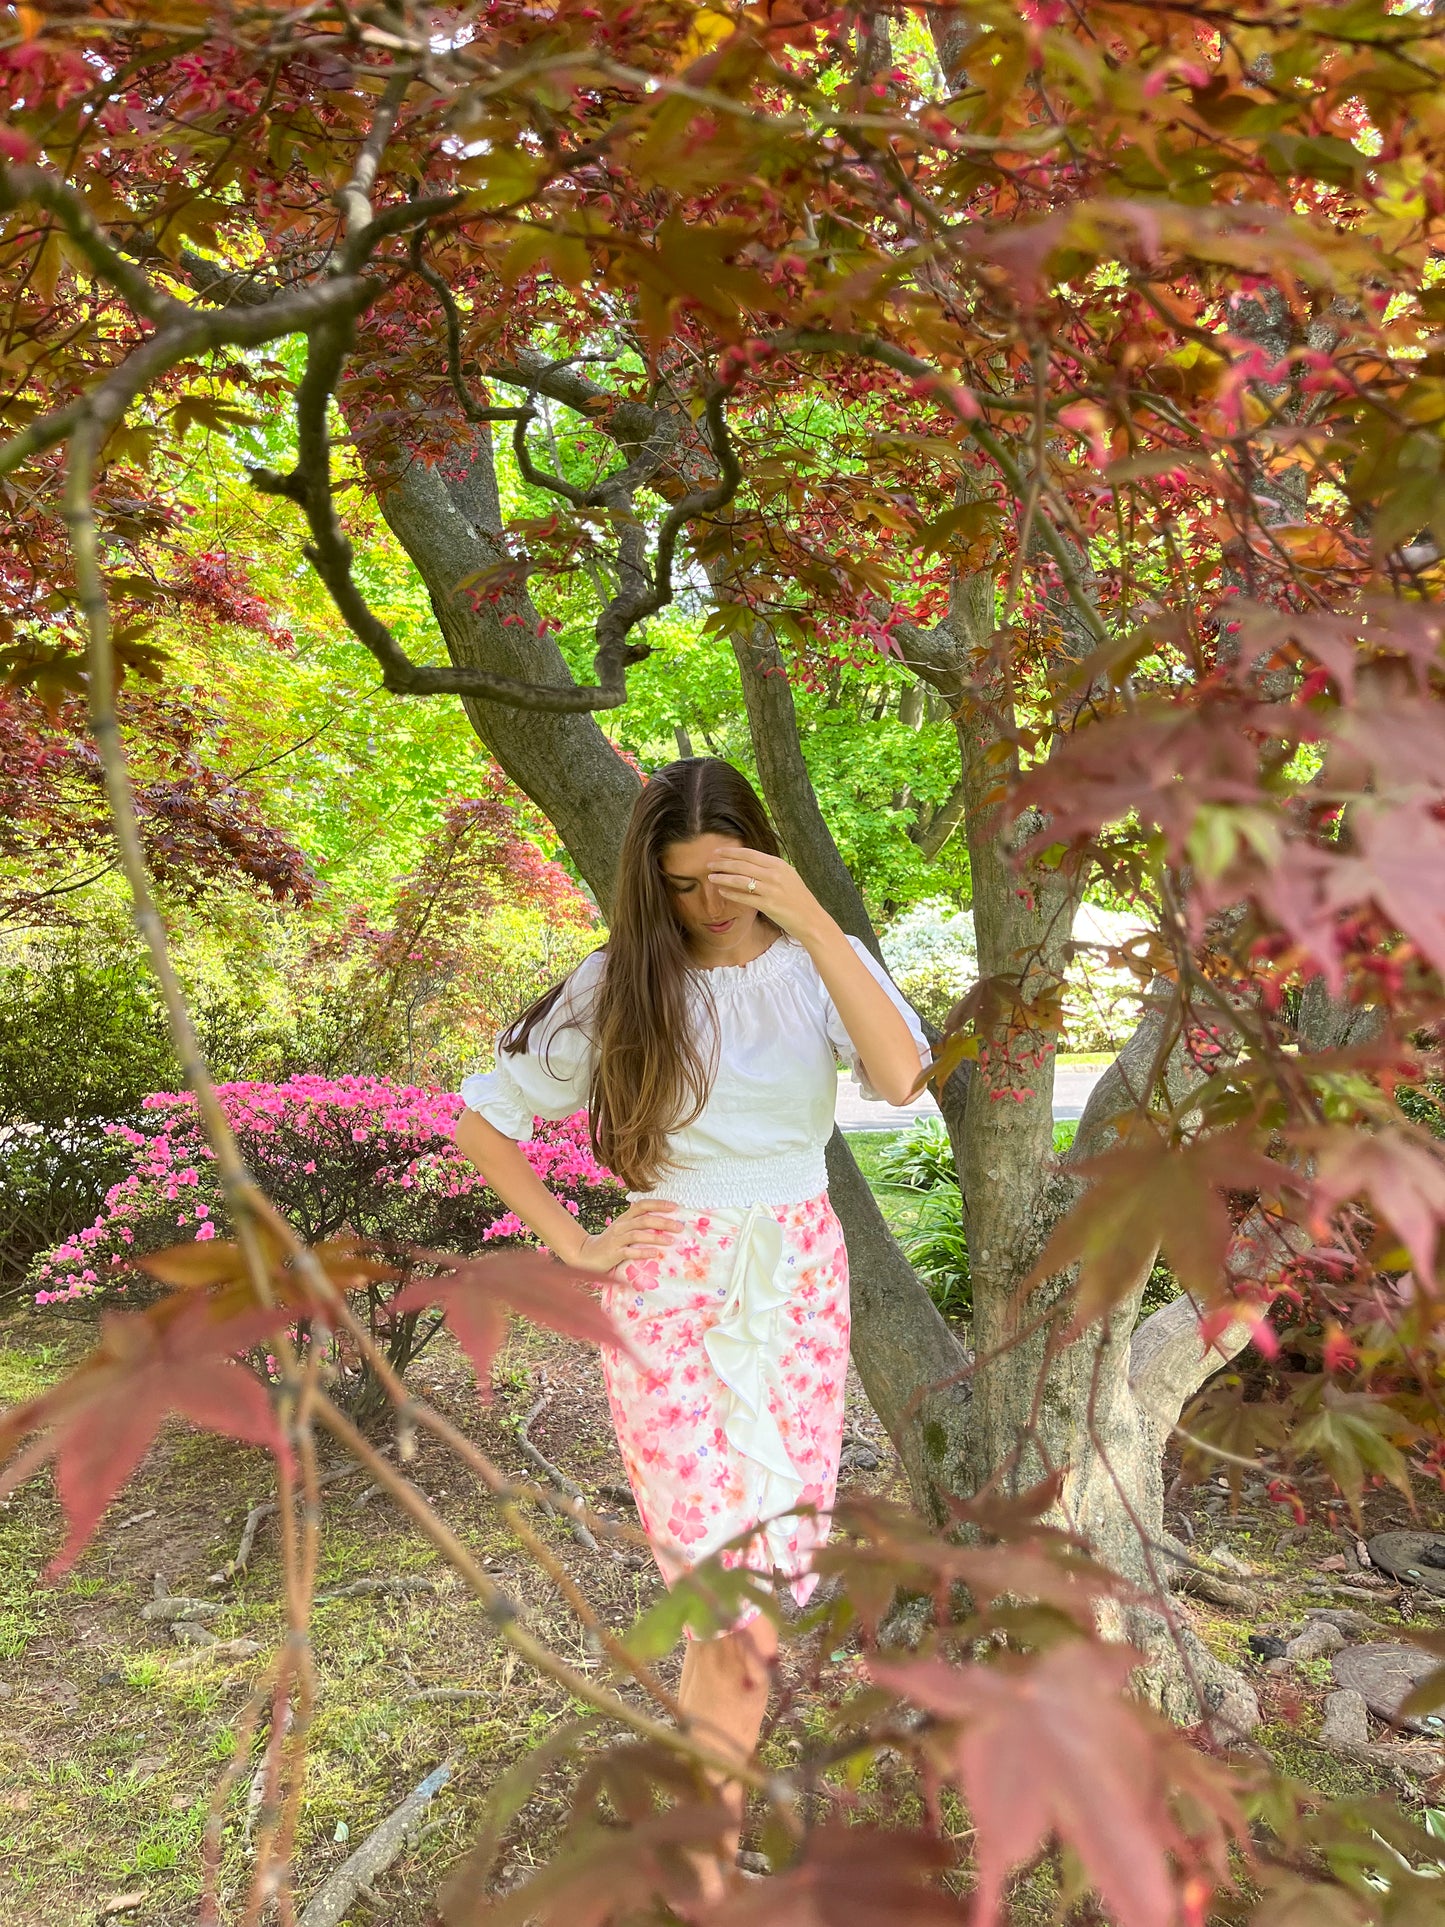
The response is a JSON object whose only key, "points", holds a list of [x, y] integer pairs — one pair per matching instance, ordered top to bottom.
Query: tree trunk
{"points": [[452, 530]]}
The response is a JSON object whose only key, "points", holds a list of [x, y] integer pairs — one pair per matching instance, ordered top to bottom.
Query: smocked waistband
{"points": [[787, 1178]]}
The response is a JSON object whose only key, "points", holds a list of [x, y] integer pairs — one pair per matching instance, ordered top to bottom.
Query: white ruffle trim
{"points": [[743, 1345]]}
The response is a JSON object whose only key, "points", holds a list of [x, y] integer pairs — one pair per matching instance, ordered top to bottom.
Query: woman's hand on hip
{"points": [[771, 886], [643, 1230]]}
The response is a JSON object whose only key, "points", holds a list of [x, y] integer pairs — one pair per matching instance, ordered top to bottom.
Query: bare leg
{"points": [[724, 1694]]}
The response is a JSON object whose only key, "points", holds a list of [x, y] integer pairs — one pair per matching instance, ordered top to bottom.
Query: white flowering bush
{"points": [[933, 955], [1101, 1004]]}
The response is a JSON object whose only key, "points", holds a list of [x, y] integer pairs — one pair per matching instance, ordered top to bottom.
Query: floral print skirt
{"points": [[729, 1412]]}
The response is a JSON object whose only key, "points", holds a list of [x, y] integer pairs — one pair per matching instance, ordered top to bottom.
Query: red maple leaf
{"points": [[1400, 866], [1403, 1175], [1147, 1195], [477, 1295], [98, 1422], [1054, 1747], [849, 1873]]}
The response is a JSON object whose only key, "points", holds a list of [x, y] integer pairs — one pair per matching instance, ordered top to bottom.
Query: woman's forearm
{"points": [[877, 1027], [501, 1162]]}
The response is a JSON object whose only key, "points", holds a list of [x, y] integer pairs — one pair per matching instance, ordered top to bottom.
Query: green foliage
{"points": [[358, 777], [933, 956], [933, 989], [81, 1037], [82, 1040], [1423, 1104], [919, 1157], [920, 1161], [938, 1250]]}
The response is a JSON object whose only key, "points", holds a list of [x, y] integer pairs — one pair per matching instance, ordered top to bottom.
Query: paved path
{"points": [[855, 1113]]}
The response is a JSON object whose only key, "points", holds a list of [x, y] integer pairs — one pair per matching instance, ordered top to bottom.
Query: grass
{"points": [[900, 1205]]}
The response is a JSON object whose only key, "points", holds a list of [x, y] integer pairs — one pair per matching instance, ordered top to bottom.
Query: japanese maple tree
{"points": [[1086, 361]]}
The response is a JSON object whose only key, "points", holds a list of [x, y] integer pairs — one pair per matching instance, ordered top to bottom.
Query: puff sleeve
{"points": [[843, 1044], [551, 1077]]}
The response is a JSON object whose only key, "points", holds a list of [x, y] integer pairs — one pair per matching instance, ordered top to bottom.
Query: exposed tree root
{"points": [[555, 1475], [331, 1903]]}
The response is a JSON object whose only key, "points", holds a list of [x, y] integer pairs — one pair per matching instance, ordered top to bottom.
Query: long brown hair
{"points": [[651, 1073]]}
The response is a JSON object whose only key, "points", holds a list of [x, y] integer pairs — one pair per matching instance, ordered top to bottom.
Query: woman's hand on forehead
{"points": [[768, 884]]}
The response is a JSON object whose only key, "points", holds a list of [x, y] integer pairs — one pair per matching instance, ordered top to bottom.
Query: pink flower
{"points": [[305, 1130], [205, 1231], [686, 1523]]}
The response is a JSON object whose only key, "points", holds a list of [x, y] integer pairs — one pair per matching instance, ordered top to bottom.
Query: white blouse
{"points": [[759, 1139]]}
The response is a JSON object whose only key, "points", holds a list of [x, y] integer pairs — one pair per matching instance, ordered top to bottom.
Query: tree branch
{"points": [[21, 184], [354, 199], [186, 333], [474, 410], [644, 590], [931, 837], [1169, 1361]]}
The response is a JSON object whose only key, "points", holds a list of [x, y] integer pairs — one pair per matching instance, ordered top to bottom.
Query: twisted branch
{"points": [[474, 410]]}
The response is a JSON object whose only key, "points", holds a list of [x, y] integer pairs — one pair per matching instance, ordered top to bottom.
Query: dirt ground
{"points": [[112, 1736]]}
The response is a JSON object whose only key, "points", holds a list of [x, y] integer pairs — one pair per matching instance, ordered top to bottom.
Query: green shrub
{"points": [[932, 989], [79, 1039], [81, 1044], [919, 1157], [938, 1250]]}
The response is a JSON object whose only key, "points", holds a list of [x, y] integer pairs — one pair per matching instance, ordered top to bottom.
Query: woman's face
{"points": [[715, 927]]}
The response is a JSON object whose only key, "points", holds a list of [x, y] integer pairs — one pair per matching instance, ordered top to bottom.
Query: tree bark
{"points": [[452, 529]]}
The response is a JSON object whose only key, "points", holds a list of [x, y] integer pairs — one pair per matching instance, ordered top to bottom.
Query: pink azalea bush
{"points": [[353, 1154], [357, 1155]]}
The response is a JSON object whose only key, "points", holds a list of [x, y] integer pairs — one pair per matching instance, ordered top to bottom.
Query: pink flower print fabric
{"points": [[729, 1414]]}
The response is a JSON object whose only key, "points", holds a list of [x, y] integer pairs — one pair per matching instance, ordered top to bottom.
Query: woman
{"points": [[702, 1038]]}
